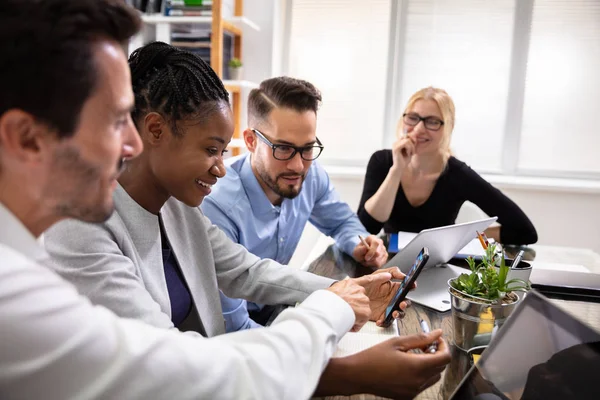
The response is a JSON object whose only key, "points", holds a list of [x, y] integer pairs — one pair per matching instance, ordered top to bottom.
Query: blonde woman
{"points": [[418, 184]]}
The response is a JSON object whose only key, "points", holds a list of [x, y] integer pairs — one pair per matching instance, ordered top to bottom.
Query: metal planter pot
{"points": [[235, 73], [475, 322]]}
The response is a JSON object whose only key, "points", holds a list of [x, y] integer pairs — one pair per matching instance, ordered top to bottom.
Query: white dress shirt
{"points": [[54, 344]]}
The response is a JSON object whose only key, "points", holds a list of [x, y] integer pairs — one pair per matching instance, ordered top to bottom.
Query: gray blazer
{"points": [[118, 264]]}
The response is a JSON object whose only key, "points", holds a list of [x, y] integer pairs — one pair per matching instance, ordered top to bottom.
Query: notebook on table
{"points": [[443, 244], [369, 335], [542, 352]]}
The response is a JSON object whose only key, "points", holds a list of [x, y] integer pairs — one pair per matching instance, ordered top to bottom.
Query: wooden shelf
{"points": [[242, 22], [234, 25], [160, 27], [236, 86]]}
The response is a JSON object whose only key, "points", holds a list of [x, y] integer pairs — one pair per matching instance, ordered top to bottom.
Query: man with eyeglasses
{"points": [[269, 194]]}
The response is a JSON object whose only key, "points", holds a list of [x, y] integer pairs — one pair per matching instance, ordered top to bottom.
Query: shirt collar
{"points": [[256, 195], [15, 235]]}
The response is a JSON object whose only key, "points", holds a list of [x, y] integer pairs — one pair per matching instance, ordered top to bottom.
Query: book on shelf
{"points": [[182, 3], [192, 3], [181, 9], [171, 12], [195, 39], [190, 45]]}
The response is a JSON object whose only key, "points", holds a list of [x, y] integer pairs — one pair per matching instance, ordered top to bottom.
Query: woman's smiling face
{"points": [[426, 140], [186, 165]]}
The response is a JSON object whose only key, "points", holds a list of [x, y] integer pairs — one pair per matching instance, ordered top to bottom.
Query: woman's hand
{"points": [[402, 151]]}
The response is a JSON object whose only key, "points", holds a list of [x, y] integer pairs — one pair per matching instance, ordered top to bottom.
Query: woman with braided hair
{"points": [[183, 116]]}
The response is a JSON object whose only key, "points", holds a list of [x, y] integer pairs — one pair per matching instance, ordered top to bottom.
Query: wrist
{"points": [[395, 171], [341, 377]]}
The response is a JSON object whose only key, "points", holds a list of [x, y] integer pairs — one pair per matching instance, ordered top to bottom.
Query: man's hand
{"points": [[373, 256], [353, 291], [381, 294], [388, 369], [392, 371]]}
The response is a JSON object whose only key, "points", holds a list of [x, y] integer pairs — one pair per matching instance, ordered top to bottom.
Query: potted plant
{"points": [[235, 69], [483, 299]]}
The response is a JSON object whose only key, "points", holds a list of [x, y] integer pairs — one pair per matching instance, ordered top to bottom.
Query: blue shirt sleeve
{"points": [[334, 217], [219, 218], [235, 311], [236, 314]]}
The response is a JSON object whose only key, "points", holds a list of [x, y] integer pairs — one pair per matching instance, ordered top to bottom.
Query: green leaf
{"points": [[472, 264], [503, 274], [485, 280]]}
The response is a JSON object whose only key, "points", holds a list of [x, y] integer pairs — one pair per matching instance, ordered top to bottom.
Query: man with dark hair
{"points": [[65, 132], [269, 194]]}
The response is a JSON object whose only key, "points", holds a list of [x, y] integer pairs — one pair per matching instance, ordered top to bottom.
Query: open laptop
{"points": [[443, 244], [542, 352]]}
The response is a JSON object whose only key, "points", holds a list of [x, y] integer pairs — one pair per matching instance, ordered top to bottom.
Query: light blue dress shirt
{"points": [[239, 206]]}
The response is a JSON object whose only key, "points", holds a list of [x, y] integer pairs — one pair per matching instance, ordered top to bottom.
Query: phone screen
{"points": [[408, 279]]}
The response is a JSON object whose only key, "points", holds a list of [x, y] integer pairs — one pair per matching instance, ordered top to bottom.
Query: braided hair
{"points": [[175, 83]]}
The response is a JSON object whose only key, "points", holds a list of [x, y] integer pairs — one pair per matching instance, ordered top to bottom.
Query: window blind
{"points": [[463, 47], [342, 48], [560, 130]]}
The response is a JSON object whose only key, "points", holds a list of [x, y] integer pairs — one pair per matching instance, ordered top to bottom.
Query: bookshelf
{"points": [[233, 24], [161, 27]]}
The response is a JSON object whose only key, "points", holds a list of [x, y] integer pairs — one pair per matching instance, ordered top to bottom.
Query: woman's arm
{"points": [[379, 191], [516, 227]]}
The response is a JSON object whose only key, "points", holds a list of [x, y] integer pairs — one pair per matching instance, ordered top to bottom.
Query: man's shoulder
{"points": [[317, 174], [317, 181], [229, 191], [11, 258], [17, 268]]}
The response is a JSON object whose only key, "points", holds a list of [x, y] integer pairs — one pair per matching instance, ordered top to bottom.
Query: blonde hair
{"points": [[446, 106]]}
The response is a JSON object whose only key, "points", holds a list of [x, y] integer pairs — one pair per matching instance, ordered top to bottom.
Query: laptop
{"points": [[443, 244], [567, 285], [542, 352]]}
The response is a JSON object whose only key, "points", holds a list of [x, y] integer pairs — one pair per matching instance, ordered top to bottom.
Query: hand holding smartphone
{"points": [[405, 286]]}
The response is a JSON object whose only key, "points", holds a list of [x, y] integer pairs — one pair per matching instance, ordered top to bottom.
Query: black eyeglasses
{"points": [[431, 123], [284, 152]]}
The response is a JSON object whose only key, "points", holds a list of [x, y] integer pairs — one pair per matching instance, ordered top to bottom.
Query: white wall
{"points": [[257, 46], [261, 58], [562, 218]]}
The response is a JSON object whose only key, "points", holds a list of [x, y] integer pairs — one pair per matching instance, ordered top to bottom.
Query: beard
{"points": [[77, 189], [282, 189]]}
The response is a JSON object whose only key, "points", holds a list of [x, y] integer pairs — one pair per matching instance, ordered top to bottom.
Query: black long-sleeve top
{"points": [[457, 184]]}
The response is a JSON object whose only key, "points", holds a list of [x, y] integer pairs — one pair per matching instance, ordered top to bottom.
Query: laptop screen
{"points": [[542, 352]]}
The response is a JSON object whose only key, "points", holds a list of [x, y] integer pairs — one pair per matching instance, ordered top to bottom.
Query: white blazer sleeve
{"points": [[241, 274], [56, 345]]}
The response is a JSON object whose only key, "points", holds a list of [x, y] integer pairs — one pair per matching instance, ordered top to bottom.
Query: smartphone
{"points": [[406, 285]]}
